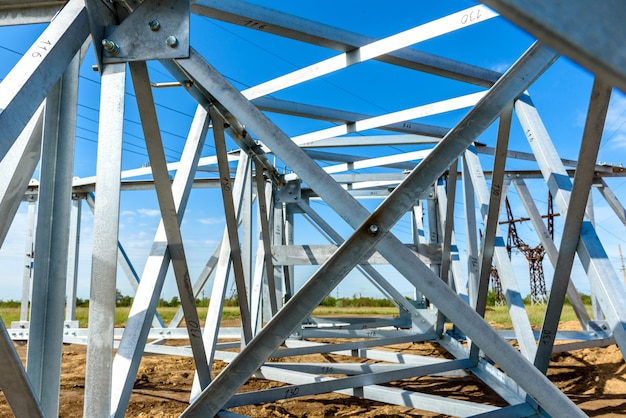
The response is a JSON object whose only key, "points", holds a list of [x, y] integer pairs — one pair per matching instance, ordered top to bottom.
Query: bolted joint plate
{"points": [[155, 30], [289, 193]]}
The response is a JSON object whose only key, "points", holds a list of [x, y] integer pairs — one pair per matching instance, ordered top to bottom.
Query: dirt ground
{"points": [[595, 379]]}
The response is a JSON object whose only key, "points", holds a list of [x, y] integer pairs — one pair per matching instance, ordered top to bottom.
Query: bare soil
{"points": [[595, 379]]}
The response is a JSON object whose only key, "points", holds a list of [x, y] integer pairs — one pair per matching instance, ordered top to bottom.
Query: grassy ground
{"points": [[498, 315]]}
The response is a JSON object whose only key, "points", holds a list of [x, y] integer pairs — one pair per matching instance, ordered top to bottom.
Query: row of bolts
{"points": [[113, 49]]}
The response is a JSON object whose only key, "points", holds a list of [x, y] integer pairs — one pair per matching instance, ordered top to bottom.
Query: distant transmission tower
{"points": [[538, 294]]}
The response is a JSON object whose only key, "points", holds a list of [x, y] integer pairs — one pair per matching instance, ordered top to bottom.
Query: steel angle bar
{"points": [[28, 13], [558, 24], [294, 27], [372, 50], [32, 78], [394, 117], [427, 133], [592, 134], [373, 140], [529, 156], [379, 161], [16, 170], [612, 200], [264, 202], [493, 212], [169, 214], [446, 218], [374, 229], [471, 233], [52, 239], [550, 247], [73, 254], [317, 254], [236, 256], [28, 263], [222, 273], [602, 276], [199, 284], [460, 286], [514, 300], [143, 310], [421, 321], [351, 368], [98, 376], [14, 382], [323, 384]]}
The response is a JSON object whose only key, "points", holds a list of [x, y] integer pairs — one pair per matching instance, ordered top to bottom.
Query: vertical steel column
{"points": [[278, 228], [447, 228], [417, 231], [471, 239], [51, 240], [74, 250], [28, 262], [602, 276], [98, 376]]}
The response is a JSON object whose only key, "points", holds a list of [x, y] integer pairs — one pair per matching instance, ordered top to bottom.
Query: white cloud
{"points": [[615, 126], [149, 212], [127, 213], [211, 221]]}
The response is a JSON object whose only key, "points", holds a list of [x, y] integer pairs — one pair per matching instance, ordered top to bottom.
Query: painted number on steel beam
{"points": [[472, 16], [254, 25], [41, 45], [292, 392]]}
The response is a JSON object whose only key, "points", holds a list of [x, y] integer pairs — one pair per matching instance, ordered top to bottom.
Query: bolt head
{"points": [[154, 25], [171, 41], [373, 229]]}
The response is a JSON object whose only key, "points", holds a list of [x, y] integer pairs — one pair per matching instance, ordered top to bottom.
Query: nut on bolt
{"points": [[154, 25], [171, 41], [111, 47], [373, 229]]}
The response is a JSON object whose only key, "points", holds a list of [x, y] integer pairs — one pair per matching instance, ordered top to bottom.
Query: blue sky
{"points": [[248, 57]]}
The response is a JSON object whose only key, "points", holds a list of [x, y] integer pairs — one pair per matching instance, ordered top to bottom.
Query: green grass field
{"points": [[498, 315]]}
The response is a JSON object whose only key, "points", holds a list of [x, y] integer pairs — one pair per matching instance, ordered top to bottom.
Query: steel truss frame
{"points": [[38, 102]]}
